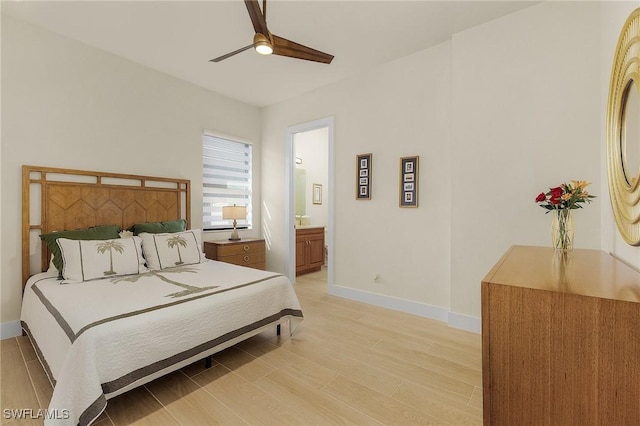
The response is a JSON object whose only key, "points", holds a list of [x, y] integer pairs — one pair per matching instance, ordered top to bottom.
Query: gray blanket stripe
{"points": [[155, 308], [64, 325], [74, 336], [41, 357], [142, 372], [93, 411]]}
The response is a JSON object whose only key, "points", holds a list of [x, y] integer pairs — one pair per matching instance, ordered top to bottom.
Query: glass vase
{"points": [[562, 229]]}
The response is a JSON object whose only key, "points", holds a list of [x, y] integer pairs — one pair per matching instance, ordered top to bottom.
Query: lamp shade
{"points": [[234, 212]]}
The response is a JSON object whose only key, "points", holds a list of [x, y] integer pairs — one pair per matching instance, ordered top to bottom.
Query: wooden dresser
{"points": [[309, 249], [246, 252], [560, 339]]}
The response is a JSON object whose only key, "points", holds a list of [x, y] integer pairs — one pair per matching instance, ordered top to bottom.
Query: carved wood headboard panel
{"points": [[55, 199]]}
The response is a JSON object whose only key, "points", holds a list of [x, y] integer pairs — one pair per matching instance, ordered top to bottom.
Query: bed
{"points": [[143, 305]]}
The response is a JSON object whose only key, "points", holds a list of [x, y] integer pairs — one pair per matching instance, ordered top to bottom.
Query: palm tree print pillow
{"points": [[169, 250], [85, 260]]}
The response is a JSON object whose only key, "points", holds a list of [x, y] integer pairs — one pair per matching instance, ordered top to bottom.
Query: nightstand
{"points": [[248, 252]]}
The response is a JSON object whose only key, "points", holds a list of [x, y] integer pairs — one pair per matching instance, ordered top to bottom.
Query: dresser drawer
{"points": [[242, 248], [245, 259]]}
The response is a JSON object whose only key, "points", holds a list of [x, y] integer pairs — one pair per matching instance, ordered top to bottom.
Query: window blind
{"points": [[226, 180]]}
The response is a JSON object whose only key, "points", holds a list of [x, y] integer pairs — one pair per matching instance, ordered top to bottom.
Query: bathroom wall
{"points": [[312, 147]]}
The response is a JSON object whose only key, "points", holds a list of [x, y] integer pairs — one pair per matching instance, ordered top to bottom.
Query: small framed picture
{"points": [[408, 167], [363, 176], [409, 181], [317, 193]]}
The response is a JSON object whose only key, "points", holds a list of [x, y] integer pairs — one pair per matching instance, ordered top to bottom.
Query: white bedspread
{"points": [[101, 338]]}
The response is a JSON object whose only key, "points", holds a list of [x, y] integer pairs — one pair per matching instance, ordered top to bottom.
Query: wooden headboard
{"points": [[55, 199]]}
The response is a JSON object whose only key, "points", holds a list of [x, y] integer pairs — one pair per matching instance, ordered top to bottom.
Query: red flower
{"points": [[556, 193], [541, 197]]}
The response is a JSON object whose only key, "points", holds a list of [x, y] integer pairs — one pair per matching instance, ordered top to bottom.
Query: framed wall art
{"points": [[363, 176], [409, 181], [317, 193]]}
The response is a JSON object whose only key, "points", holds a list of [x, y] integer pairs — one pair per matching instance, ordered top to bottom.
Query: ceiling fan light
{"points": [[262, 44], [264, 49]]}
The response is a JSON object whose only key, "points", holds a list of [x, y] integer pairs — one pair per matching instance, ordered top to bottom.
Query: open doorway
{"points": [[309, 211]]}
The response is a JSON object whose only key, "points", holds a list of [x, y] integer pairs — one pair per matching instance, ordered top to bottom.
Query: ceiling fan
{"points": [[266, 43]]}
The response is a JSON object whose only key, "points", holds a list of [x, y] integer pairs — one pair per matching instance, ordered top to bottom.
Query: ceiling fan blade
{"points": [[257, 18], [284, 47], [228, 55]]}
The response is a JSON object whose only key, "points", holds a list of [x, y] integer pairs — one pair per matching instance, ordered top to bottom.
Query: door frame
{"points": [[290, 214]]}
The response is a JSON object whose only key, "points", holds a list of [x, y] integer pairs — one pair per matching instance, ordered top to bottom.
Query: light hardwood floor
{"points": [[347, 363]]}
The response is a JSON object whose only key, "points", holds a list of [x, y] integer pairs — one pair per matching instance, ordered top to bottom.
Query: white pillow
{"points": [[169, 250], [91, 259]]}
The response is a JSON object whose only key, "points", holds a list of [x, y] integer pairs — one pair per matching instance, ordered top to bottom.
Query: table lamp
{"points": [[234, 212]]}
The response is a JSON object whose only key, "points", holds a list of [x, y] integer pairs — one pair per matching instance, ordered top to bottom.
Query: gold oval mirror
{"points": [[623, 131]]}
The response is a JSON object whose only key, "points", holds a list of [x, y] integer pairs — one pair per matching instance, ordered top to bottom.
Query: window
{"points": [[226, 180]]}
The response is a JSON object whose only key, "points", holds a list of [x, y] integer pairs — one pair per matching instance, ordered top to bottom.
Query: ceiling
{"points": [[179, 37]]}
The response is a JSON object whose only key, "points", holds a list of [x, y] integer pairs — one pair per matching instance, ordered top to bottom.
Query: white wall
{"points": [[613, 17], [526, 102], [65, 104], [395, 110], [502, 112]]}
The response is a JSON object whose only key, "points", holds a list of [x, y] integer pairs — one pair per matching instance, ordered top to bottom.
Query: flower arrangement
{"points": [[565, 196], [561, 200]]}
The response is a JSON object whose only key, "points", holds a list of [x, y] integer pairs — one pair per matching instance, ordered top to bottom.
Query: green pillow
{"points": [[159, 227], [105, 232]]}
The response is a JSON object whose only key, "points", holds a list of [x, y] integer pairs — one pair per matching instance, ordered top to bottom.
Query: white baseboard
{"points": [[403, 305], [465, 322], [10, 329]]}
